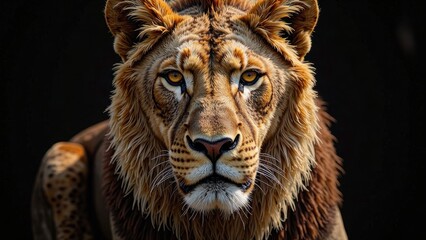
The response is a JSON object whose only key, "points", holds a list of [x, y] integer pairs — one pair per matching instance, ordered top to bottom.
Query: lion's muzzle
{"points": [[213, 149]]}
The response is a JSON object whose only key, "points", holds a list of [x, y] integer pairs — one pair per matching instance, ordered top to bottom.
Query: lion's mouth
{"points": [[214, 179]]}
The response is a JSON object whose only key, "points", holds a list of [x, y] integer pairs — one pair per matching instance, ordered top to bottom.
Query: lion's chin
{"points": [[224, 196]]}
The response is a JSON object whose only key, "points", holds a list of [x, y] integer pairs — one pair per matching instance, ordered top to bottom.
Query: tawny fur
{"points": [[281, 126]]}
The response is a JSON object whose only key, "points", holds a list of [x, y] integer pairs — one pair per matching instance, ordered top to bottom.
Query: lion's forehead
{"points": [[212, 30], [231, 54]]}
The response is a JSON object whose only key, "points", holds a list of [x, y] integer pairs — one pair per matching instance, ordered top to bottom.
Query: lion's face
{"points": [[212, 86], [212, 95]]}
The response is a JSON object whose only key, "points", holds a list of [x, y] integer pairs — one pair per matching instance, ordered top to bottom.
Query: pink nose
{"points": [[213, 150]]}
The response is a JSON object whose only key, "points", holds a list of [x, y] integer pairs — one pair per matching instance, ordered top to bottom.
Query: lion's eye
{"points": [[173, 77], [248, 78]]}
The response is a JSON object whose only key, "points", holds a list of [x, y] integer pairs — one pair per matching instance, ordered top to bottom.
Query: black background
{"points": [[56, 78]]}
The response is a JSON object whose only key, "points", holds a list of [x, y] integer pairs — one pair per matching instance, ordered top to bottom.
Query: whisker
{"points": [[267, 155], [160, 156], [275, 163], [271, 164], [157, 165], [272, 167], [278, 171], [267, 173], [167, 175], [162, 176], [264, 182], [258, 186], [174, 189], [186, 209], [246, 210], [193, 215], [241, 218]]}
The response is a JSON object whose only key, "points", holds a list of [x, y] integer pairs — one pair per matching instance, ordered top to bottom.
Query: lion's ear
{"points": [[280, 20], [138, 21]]}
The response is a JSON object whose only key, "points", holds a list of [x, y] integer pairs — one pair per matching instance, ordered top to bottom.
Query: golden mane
{"points": [[215, 131], [139, 154], [139, 160]]}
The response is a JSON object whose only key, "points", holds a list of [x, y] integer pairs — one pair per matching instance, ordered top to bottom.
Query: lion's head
{"points": [[213, 116]]}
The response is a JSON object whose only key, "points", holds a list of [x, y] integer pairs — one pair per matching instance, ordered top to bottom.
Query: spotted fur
{"points": [[65, 167], [164, 167]]}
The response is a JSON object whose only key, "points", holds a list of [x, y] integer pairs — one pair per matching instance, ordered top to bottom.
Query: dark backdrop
{"points": [[56, 78]]}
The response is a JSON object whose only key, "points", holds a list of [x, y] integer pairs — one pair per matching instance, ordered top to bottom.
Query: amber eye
{"points": [[173, 77], [249, 77]]}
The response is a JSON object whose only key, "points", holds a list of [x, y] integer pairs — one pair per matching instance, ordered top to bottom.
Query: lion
{"points": [[215, 131]]}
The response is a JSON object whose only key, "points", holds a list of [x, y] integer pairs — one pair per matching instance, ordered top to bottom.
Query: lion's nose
{"points": [[213, 150]]}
